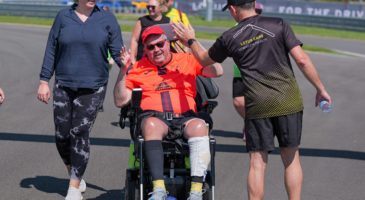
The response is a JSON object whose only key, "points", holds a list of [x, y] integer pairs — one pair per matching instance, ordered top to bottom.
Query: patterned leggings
{"points": [[75, 111]]}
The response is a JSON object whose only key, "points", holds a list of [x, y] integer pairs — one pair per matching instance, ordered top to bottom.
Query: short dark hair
{"points": [[236, 3], [247, 6]]}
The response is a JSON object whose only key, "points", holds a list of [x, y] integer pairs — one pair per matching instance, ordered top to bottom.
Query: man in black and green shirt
{"points": [[260, 46]]}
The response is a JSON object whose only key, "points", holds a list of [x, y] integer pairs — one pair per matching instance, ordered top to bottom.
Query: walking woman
{"points": [[154, 17], [77, 53]]}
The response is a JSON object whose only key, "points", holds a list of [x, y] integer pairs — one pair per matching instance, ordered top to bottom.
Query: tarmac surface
{"points": [[332, 149]]}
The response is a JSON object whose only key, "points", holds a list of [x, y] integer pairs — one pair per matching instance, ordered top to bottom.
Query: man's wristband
{"points": [[191, 41]]}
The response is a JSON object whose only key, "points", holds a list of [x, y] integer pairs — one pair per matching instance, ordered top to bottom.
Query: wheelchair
{"points": [[138, 182]]}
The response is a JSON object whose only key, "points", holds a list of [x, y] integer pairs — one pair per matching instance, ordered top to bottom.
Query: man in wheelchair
{"points": [[168, 82]]}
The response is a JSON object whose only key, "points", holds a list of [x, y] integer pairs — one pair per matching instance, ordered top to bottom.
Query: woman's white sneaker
{"points": [[82, 186], [73, 194]]}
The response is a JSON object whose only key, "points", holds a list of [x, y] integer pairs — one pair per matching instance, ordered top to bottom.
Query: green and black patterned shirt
{"points": [[260, 47]]}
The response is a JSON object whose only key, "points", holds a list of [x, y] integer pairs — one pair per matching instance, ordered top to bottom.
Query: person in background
{"points": [[259, 7], [106, 8], [175, 15], [154, 17], [260, 46], [76, 53], [110, 59], [110, 66], [168, 82], [237, 84], [237, 93], [2, 96]]}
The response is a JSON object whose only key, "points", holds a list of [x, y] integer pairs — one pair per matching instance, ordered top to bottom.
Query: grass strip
{"points": [[26, 20], [129, 28]]}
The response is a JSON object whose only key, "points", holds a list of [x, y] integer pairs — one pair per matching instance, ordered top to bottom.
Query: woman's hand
{"points": [[44, 93]]}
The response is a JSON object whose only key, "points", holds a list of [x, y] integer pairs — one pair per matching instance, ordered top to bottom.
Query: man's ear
{"points": [[233, 8]]}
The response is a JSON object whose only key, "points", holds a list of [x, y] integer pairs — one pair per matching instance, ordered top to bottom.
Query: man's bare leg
{"points": [[239, 105], [293, 172], [256, 175]]}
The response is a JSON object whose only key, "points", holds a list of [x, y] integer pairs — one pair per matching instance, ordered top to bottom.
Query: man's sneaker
{"points": [[82, 186], [73, 194], [158, 194], [195, 196]]}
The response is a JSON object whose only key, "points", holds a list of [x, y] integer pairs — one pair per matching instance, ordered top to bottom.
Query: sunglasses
{"points": [[150, 7], [159, 45]]}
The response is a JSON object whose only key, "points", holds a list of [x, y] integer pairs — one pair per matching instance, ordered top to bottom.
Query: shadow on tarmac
{"points": [[227, 148], [50, 184]]}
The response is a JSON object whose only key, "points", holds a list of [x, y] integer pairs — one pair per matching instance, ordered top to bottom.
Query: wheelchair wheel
{"points": [[131, 191]]}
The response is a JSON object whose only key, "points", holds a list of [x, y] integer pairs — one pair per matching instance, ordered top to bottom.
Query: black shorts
{"points": [[237, 87], [176, 125], [260, 133]]}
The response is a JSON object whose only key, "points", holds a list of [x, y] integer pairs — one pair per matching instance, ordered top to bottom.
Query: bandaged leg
{"points": [[199, 160]]}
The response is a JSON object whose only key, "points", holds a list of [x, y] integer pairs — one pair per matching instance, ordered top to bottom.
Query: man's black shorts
{"points": [[237, 87], [176, 125], [260, 133]]}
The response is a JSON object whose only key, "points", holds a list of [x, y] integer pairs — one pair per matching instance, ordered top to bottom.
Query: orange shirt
{"points": [[172, 92]]}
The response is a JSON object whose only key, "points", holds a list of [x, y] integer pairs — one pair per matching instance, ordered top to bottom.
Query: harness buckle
{"points": [[169, 116]]}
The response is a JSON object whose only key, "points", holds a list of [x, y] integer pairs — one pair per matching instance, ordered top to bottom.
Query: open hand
{"points": [[183, 33], [125, 56]]}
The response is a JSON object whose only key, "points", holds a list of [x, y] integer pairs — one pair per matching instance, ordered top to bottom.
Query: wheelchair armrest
{"points": [[136, 98], [209, 106], [130, 110], [124, 111]]}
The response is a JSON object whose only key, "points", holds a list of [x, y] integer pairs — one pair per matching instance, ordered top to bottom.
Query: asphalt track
{"points": [[333, 150]]}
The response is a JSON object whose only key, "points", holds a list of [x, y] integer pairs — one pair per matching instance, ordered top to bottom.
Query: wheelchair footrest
{"points": [[177, 186]]}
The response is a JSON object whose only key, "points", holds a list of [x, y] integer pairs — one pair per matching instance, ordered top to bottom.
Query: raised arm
{"points": [[187, 36], [212, 71], [310, 72], [122, 94]]}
